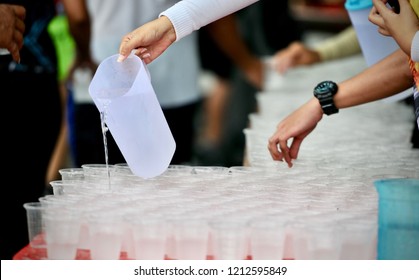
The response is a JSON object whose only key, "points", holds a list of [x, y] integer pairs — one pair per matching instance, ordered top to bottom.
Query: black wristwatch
{"points": [[324, 92]]}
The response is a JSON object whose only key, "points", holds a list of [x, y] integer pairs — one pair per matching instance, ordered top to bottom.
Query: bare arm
{"points": [[79, 23], [227, 35], [153, 38], [386, 78]]}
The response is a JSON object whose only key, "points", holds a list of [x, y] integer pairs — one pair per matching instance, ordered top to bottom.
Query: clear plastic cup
{"points": [[71, 173], [61, 187], [62, 227], [36, 229], [105, 234], [150, 237], [190, 238], [267, 238], [229, 239], [359, 239]]}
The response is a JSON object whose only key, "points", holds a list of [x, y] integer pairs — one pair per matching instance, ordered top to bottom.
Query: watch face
{"points": [[325, 89], [324, 92]]}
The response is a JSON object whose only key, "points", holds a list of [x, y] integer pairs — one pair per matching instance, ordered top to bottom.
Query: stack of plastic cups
{"points": [[185, 214]]}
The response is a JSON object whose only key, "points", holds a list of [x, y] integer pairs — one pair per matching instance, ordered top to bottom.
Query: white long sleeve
{"points": [[190, 15], [414, 52]]}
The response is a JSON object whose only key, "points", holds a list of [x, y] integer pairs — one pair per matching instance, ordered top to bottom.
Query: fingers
{"points": [[19, 11], [375, 18], [20, 25], [383, 31], [18, 38], [125, 47], [14, 51], [144, 54], [283, 63], [295, 147], [273, 148], [279, 150], [285, 152]]}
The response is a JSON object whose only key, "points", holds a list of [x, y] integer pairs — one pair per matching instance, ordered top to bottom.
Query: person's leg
{"points": [[242, 102], [214, 109]]}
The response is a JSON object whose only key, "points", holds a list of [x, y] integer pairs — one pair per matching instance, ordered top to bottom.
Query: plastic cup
{"points": [[123, 93], [71, 173], [61, 187], [398, 219], [62, 227], [36, 230], [105, 235], [150, 237], [267, 238], [190, 239], [359, 239], [229, 240], [324, 241]]}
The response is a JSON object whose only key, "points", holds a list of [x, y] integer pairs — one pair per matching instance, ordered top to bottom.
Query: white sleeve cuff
{"points": [[190, 15], [414, 52]]}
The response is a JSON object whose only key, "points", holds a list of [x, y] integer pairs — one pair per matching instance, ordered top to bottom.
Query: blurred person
{"points": [[403, 25], [12, 27], [97, 29], [343, 44], [64, 45], [222, 48], [234, 95], [32, 131], [85, 133]]}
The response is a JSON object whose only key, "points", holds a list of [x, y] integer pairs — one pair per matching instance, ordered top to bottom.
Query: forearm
{"points": [[190, 15], [79, 24], [227, 36], [341, 45], [385, 78]]}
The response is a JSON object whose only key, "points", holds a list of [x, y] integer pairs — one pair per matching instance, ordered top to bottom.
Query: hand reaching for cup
{"points": [[294, 55], [294, 128]]}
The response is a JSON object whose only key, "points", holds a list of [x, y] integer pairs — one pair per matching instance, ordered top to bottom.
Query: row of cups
{"points": [[197, 212]]}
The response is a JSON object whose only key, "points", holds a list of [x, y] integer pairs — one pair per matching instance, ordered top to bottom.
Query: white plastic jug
{"points": [[123, 92]]}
